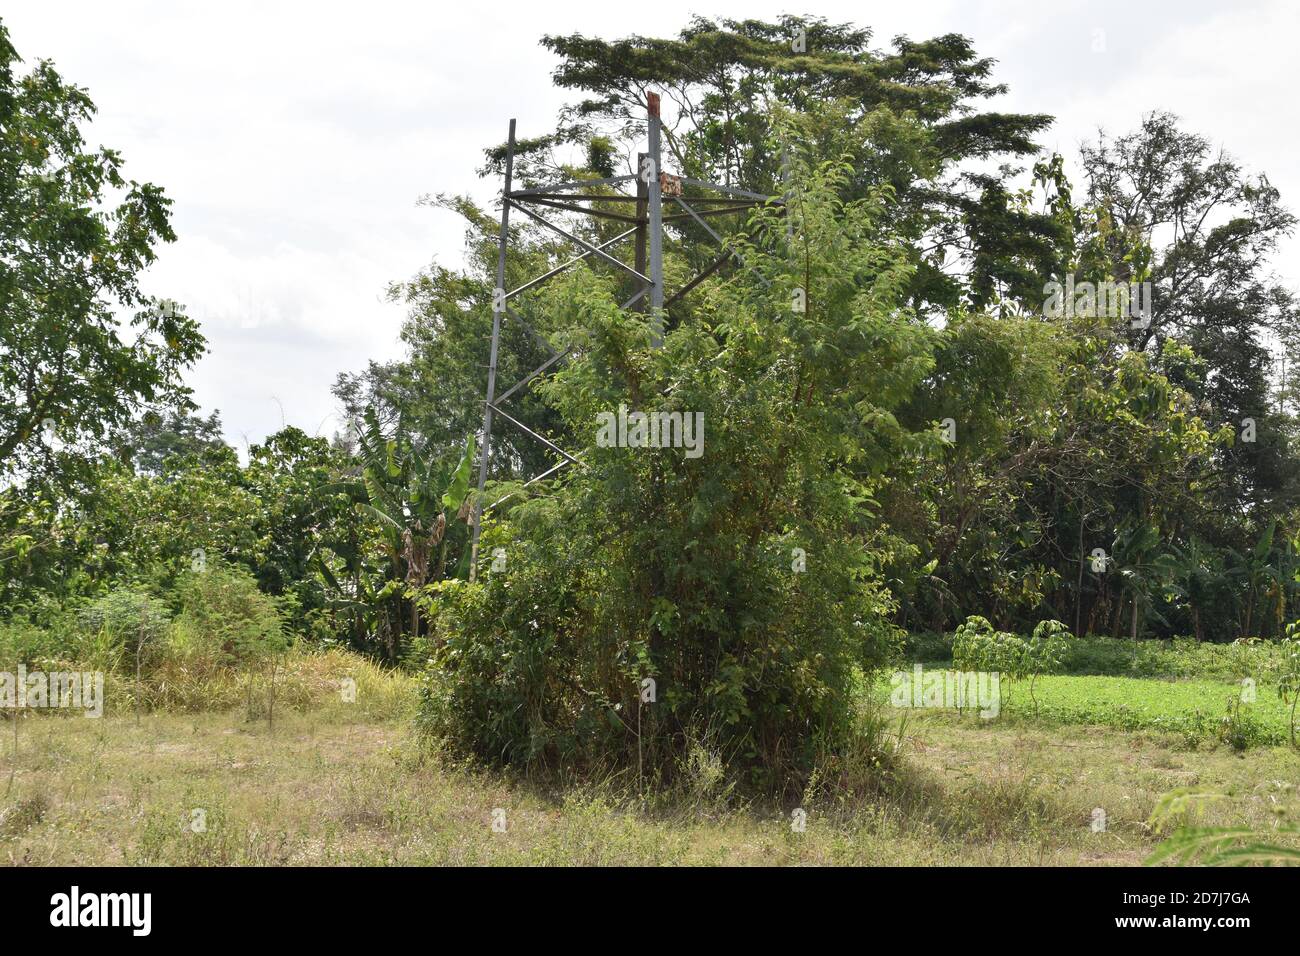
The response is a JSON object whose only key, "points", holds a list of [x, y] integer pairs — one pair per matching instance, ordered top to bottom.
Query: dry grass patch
{"points": [[348, 784]]}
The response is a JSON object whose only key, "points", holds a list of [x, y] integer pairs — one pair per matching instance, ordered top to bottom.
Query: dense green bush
{"points": [[738, 581], [225, 615], [121, 623], [102, 635], [29, 645], [1177, 658], [544, 664]]}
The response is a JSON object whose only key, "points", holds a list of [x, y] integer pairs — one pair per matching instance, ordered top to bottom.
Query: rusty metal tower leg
{"points": [[642, 205], [654, 208], [498, 307]]}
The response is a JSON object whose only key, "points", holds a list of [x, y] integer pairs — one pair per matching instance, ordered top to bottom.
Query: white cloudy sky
{"points": [[295, 138]]}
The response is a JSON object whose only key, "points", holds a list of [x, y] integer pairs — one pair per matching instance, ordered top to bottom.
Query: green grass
{"points": [[1179, 686], [1196, 710]]}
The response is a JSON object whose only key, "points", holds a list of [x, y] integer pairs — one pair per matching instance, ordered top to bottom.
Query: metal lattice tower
{"points": [[646, 223]]}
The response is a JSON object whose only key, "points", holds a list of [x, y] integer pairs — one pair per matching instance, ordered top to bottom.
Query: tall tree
{"points": [[1168, 208], [74, 237], [970, 239]]}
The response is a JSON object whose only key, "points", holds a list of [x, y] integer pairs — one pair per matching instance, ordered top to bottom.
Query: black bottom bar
{"points": [[943, 906]]}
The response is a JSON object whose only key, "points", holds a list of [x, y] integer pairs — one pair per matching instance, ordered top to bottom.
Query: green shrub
{"points": [[735, 570], [224, 615], [121, 623], [31, 646], [976, 646], [1044, 652], [1177, 658], [543, 666], [509, 680]]}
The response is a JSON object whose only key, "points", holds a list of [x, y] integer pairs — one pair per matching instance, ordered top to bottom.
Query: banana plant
{"points": [[413, 501], [1142, 568], [1257, 569], [1197, 577]]}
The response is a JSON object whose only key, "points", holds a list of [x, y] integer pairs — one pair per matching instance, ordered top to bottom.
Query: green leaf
{"points": [[459, 488]]}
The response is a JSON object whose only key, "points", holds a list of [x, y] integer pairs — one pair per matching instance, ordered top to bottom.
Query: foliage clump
{"points": [[662, 599], [223, 610], [976, 646]]}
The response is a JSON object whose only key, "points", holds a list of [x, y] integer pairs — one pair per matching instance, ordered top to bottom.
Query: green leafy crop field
{"points": [[1196, 710]]}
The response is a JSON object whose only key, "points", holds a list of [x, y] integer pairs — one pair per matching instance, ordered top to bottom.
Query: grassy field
{"points": [[1198, 711], [347, 783]]}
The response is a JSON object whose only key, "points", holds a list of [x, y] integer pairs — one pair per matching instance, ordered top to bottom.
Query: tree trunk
{"points": [[1078, 593], [270, 709]]}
